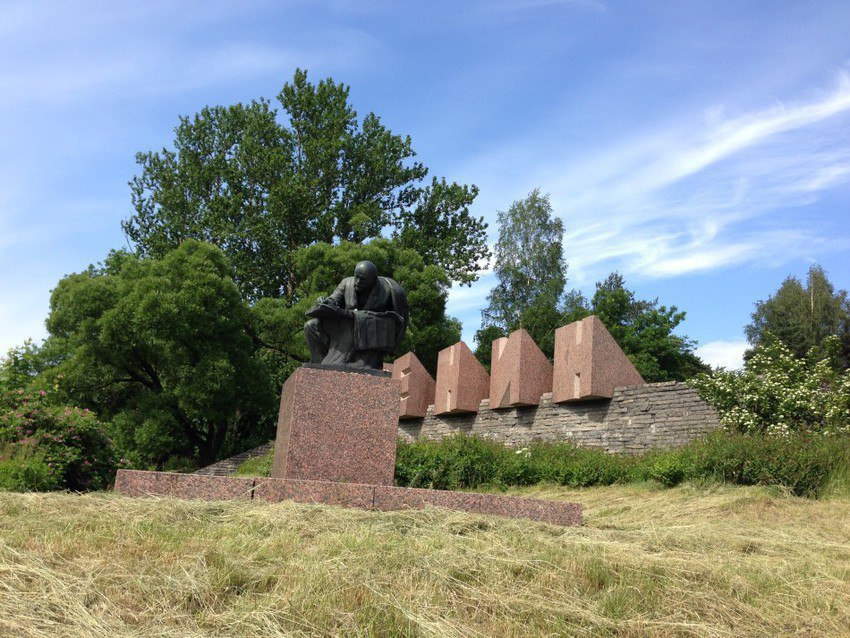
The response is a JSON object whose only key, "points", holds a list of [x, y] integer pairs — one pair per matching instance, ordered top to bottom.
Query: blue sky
{"points": [[700, 148]]}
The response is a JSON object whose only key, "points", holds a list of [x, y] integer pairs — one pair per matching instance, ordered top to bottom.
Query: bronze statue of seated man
{"points": [[360, 322]]}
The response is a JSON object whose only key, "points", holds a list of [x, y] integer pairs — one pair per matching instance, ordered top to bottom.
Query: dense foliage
{"points": [[260, 189], [530, 276], [530, 293], [802, 317], [278, 324], [644, 330], [160, 348], [22, 365], [778, 392], [45, 446], [803, 464]]}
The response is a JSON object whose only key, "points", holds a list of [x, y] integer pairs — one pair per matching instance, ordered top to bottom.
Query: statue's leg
{"points": [[317, 341]]}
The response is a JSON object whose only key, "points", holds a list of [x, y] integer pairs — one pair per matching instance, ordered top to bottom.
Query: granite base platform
{"points": [[138, 483]]}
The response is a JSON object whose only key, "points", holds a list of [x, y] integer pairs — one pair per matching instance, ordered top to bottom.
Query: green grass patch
{"points": [[258, 466]]}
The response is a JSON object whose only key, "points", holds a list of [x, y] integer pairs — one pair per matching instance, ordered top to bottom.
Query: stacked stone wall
{"points": [[636, 419]]}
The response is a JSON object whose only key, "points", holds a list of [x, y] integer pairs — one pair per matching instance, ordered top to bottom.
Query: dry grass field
{"points": [[708, 562]]}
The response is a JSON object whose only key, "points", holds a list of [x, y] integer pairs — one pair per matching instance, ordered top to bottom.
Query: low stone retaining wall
{"points": [[636, 419], [386, 498]]}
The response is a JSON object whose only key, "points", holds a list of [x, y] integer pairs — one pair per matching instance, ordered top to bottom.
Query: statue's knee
{"points": [[313, 330]]}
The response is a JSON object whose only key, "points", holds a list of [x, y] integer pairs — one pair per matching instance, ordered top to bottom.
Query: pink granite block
{"points": [[589, 364], [519, 371], [462, 382], [417, 387], [337, 426], [141, 483], [189, 486], [212, 488], [272, 490], [343, 494], [382, 497], [396, 498], [554, 512]]}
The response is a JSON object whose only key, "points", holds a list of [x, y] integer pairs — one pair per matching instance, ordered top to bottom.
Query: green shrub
{"points": [[778, 393], [69, 442], [456, 462], [464, 462], [804, 463], [566, 464], [668, 468], [23, 470]]}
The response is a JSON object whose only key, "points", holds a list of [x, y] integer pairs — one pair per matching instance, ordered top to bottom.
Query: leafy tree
{"points": [[261, 190], [440, 228], [531, 276], [530, 293], [803, 316], [278, 325], [644, 330], [160, 348], [22, 365], [778, 392]]}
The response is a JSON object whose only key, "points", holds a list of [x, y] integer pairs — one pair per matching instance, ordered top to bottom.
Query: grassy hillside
{"points": [[728, 561]]}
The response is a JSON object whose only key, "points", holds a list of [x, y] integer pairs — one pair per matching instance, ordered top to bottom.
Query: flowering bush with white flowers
{"points": [[777, 392], [45, 446]]}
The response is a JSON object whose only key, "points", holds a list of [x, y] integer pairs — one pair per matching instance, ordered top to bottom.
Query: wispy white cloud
{"points": [[150, 50], [68, 78], [691, 156], [657, 159], [824, 178], [679, 201], [467, 298], [466, 303], [723, 354]]}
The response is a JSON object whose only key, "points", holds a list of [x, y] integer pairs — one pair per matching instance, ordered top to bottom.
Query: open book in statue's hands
{"points": [[325, 309]]}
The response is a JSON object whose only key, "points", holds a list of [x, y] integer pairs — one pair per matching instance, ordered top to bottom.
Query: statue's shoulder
{"points": [[348, 281], [390, 284]]}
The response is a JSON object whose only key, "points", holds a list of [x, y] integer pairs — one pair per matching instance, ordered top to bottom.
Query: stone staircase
{"points": [[228, 467]]}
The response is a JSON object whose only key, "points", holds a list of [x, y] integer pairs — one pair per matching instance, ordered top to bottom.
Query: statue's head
{"points": [[365, 276]]}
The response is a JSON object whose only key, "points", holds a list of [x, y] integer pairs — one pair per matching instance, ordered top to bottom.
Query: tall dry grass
{"points": [[648, 562]]}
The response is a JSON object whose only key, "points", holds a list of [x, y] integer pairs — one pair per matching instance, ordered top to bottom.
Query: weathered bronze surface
{"points": [[360, 322]]}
